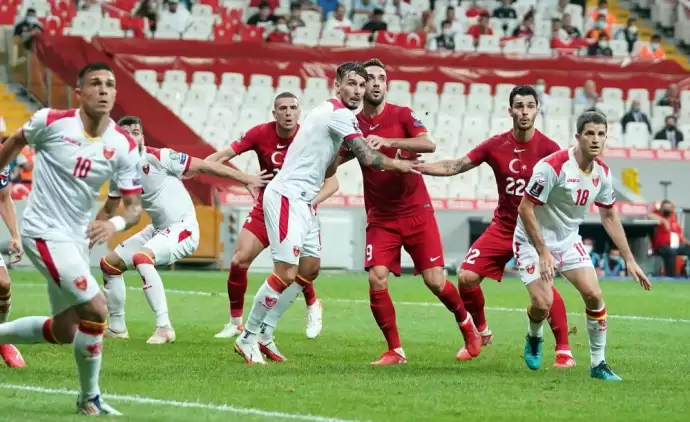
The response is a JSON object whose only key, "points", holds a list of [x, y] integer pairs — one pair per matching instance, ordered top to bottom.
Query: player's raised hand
{"points": [[376, 142], [100, 231], [16, 250], [547, 266], [638, 275]]}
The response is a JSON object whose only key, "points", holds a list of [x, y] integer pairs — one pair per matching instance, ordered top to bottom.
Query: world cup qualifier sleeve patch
{"points": [[537, 188]]}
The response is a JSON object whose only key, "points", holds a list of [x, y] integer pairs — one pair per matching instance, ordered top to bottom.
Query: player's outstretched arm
{"points": [[421, 143], [12, 147], [221, 156], [371, 158], [446, 168], [226, 172], [329, 188], [9, 216], [613, 226]]}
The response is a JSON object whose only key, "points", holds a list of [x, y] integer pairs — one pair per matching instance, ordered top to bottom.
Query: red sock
{"points": [[237, 287], [308, 291], [450, 297], [473, 298], [384, 313], [558, 320]]}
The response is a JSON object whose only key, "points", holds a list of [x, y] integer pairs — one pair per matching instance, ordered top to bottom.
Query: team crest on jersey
{"points": [[108, 153], [174, 155], [146, 169], [595, 181], [296, 250], [530, 269], [80, 283]]}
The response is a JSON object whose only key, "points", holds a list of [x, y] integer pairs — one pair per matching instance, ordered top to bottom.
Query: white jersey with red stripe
{"points": [[315, 146], [69, 170], [564, 194], [165, 199]]}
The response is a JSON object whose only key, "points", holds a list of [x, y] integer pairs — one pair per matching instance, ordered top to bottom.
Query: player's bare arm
{"points": [[421, 143], [12, 147], [221, 156], [371, 158], [446, 168], [215, 169], [329, 188], [109, 209], [9, 216], [529, 219], [613, 226], [100, 231]]}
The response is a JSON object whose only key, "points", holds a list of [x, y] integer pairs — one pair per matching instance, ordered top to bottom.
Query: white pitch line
{"points": [[424, 304], [185, 404]]}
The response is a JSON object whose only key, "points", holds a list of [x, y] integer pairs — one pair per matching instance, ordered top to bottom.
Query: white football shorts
{"points": [[168, 245], [570, 256]]}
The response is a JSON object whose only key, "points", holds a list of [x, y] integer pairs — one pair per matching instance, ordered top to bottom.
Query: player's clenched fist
{"points": [[100, 231]]}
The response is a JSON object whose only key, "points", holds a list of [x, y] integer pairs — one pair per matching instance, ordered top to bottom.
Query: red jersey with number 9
{"points": [[512, 163], [388, 194]]}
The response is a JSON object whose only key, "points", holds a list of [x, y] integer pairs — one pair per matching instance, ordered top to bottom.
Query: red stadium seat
{"points": [[212, 3], [7, 14], [231, 16], [136, 25], [224, 32], [251, 33], [387, 38]]}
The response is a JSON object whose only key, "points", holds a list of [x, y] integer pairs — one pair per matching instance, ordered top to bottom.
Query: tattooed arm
{"points": [[368, 157], [448, 167]]}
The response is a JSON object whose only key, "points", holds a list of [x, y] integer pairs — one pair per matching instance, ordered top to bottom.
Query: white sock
{"points": [[115, 293], [155, 294], [266, 298], [286, 299], [5, 307], [236, 321], [597, 323], [535, 329], [27, 330], [88, 348]]}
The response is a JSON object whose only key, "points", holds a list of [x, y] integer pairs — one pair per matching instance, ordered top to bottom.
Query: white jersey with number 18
{"points": [[313, 149], [69, 170], [564, 194]]}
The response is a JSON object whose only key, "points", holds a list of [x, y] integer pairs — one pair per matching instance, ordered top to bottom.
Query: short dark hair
{"points": [[30, 10], [656, 37], [374, 62], [91, 67], [347, 67], [523, 91], [285, 95], [592, 116], [129, 121]]}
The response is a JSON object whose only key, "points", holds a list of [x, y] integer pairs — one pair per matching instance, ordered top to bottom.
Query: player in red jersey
{"points": [[270, 142], [511, 155], [400, 215]]}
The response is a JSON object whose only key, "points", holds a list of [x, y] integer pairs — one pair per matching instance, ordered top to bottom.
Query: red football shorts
{"points": [[255, 224], [418, 234], [489, 255]]}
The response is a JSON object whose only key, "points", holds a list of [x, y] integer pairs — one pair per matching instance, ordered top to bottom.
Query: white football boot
{"points": [[314, 319], [162, 335]]}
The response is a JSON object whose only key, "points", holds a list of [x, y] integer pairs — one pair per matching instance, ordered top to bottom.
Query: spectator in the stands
{"points": [[272, 4], [328, 6], [364, 6], [147, 9], [402, 9], [475, 9], [561, 9], [505, 10], [602, 12], [175, 17], [263, 17], [451, 17], [295, 21], [338, 21], [376, 22], [427, 23], [567, 26], [526, 27], [28, 28], [480, 28], [598, 29], [557, 31], [280, 33], [629, 34], [446, 40], [601, 47], [654, 50], [540, 87], [588, 95], [671, 98], [635, 115], [670, 132], [668, 240], [588, 245], [612, 264]]}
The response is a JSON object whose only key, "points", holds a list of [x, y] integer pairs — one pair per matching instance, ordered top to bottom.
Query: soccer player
{"points": [[270, 141], [77, 151], [511, 155], [557, 197], [400, 215], [291, 223], [172, 234], [9, 353]]}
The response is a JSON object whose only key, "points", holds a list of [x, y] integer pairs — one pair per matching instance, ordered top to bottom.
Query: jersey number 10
{"points": [[81, 169]]}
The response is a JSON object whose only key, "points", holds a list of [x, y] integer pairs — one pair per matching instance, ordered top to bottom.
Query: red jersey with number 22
{"points": [[269, 147], [512, 163], [389, 194]]}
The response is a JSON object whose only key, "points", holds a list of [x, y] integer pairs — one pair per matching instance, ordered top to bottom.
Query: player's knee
{"points": [[143, 257], [241, 258], [112, 264], [434, 279], [468, 279], [378, 280], [4, 282], [592, 297], [542, 302], [94, 310]]}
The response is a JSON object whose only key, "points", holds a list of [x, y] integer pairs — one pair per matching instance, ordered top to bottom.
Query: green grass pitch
{"points": [[199, 378]]}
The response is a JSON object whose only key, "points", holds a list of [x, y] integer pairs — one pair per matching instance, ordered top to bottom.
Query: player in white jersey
{"points": [[77, 151], [558, 196], [290, 218], [172, 235], [9, 353]]}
